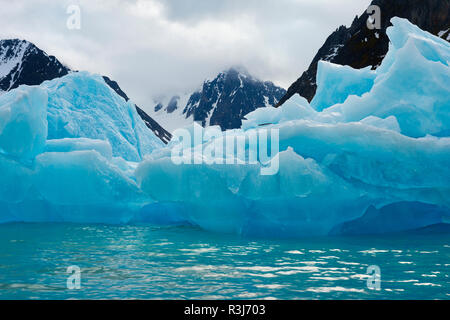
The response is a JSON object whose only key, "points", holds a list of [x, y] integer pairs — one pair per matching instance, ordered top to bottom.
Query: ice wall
{"points": [[336, 83], [81, 105], [23, 122], [373, 138], [373, 143], [65, 152]]}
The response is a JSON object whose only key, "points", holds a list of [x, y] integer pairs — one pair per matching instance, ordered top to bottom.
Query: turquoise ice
{"points": [[371, 144]]}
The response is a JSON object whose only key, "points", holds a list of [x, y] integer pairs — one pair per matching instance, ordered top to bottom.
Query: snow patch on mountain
{"points": [[444, 34], [11, 58], [169, 112]]}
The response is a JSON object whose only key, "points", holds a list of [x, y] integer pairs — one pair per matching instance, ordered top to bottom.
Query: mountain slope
{"points": [[360, 47], [21, 62], [222, 101], [169, 112]]}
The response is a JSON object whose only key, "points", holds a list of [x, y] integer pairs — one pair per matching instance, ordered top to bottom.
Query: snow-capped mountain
{"points": [[359, 47], [21, 62], [222, 101]]}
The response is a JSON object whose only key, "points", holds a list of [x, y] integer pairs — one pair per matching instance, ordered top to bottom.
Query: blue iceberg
{"points": [[80, 105], [371, 145], [68, 150]]}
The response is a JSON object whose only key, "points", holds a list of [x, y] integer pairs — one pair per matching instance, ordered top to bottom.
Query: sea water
{"points": [[148, 262]]}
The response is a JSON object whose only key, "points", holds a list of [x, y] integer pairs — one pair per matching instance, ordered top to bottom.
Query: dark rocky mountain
{"points": [[359, 47], [21, 62], [225, 100]]}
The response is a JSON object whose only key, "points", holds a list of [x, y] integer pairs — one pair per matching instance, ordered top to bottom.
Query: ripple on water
{"points": [[147, 262]]}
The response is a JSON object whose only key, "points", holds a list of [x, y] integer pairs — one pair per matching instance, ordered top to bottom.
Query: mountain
{"points": [[360, 47], [21, 62], [225, 100], [222, 101]]}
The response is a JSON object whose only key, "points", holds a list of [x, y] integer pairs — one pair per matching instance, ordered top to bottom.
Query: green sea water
{"points": [[148, 262]]}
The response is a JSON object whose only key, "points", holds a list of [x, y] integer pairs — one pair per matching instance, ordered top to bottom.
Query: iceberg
{"points": [[336, 83], [410, 84], [81, 105], [23, 122], [369, 139], [79, 144], [68, 150], [370, 154], [76, 186], [393, 218]]}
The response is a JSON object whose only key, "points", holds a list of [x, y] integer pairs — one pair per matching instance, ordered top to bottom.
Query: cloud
{"points": [[155, 47]]}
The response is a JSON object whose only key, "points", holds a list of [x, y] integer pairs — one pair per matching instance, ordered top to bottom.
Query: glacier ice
{"points": [[337, 83], [411, 84], [81, 105], [295, 108], [23, 122], [371, 138], [103, 147], [66, 152], [370, 154], [76, 186], [395, 217]]}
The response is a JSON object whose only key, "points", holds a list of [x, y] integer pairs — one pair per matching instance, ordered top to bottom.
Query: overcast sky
{"points": [[162, 47]]}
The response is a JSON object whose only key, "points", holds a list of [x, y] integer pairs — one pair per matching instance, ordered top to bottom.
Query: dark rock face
{"points": [[359, 47], [21, 62], [28, 64], [115, 86], [225, 100], [173, 104], [158, 107], [159, 131]]}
